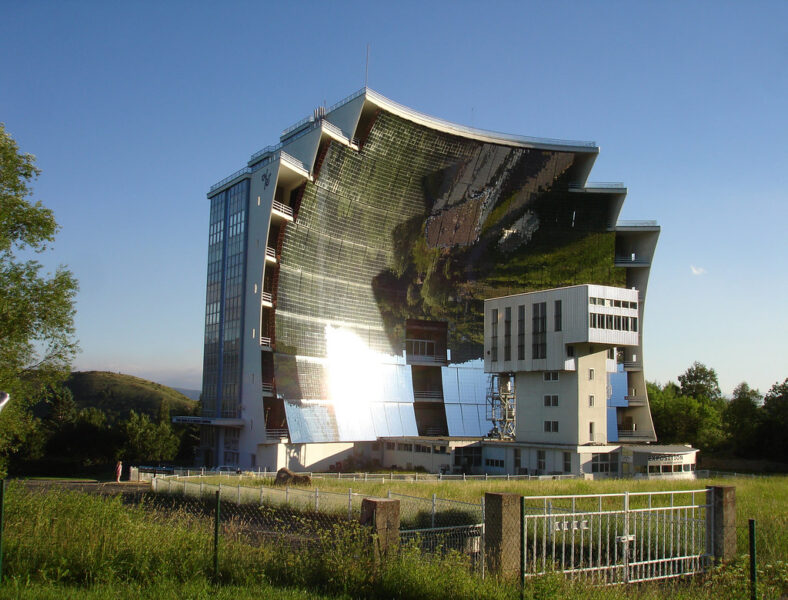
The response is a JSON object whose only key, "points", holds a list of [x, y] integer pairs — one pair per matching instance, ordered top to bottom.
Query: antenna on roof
{"points": [[366, 69]]}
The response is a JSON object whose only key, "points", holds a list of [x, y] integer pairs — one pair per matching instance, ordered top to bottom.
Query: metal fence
{"points": [[616, 538], [463, 540]]}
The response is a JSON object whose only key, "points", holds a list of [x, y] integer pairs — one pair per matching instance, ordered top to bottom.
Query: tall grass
{"points": [[764, 499], [61, 544]]}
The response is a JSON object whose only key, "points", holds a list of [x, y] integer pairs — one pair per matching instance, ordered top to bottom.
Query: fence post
{"points": [[239, 494], [261, 494], [317, 500], [434, 503], [350, 504], [382, 516], [216, 517], [721, 522], [2, 524], [502, 530], [753, 570]]}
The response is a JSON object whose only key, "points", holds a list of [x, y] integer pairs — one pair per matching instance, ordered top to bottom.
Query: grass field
{"points": [[764, 499], [62, 544]]}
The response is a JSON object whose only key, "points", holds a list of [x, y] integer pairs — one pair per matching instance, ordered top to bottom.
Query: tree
{"points": [[36, 309], [699, 381], [741, 420], [772, 433], [146, 441]]}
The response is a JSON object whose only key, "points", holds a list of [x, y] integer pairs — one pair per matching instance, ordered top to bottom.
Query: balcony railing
{"points": [[285, 157], [229, 178], [597, 185], [282, 209], [636, 223], [270, 254], [631, 260], [267, 298], [265, 342], [423, 351], [633, 365], [268, 389], [428, 395], [636, 400], [274, 435]]}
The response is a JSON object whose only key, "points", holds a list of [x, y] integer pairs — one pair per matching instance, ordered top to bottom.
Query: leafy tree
{"points": [[36, 309], [699, 381], [741, 420], [773, 433], [146, 441]]}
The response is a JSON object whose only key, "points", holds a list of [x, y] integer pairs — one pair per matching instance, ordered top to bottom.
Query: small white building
{"points": [[554, 351]]}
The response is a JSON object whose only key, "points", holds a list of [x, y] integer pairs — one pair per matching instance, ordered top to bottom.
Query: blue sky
{"points": [[134, 109]]}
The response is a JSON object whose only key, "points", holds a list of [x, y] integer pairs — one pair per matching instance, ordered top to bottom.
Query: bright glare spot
{"points": [[355, 372]]}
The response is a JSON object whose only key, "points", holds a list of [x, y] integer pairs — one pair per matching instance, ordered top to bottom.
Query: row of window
{"points": [[612, 303], [614, 322], [538, 334], [417, 448], [494, 462], [541, 462]]}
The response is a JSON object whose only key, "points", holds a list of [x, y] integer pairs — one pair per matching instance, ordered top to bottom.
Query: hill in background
{"points": [[116, 394]]}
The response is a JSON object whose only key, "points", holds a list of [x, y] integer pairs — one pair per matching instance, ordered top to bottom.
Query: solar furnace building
{"points": [[347, 271]]}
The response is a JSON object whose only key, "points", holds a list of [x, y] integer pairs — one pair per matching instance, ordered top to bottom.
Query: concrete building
{"points": [[347, 270]]}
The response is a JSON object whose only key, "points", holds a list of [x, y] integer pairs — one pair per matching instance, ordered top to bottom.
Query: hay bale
{"points": [[285, 476]]}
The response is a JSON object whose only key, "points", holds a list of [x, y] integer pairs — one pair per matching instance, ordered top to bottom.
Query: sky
{"points": [[135, 109]]}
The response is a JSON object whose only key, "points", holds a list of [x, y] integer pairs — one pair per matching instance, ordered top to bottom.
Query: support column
{"points": [[382, 516], [721, 522], [502, 533]]}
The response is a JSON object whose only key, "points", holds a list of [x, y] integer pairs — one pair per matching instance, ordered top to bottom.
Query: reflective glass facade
{"points": [[224, 302]]}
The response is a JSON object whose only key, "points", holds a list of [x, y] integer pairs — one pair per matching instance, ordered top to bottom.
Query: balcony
{"points": [[282, 211], [270, 255], [631, 260], [266, 299], [265, 344], [423, 352], [634, 365], [268, 389], [428, 395], [636, 400], [632, 432], [276, 435]]}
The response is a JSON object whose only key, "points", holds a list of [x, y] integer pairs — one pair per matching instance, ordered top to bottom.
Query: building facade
{"points": [[347, 271]]}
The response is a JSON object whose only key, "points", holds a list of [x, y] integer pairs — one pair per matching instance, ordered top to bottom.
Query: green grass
{"points": [[764, 499], [61, 544]]}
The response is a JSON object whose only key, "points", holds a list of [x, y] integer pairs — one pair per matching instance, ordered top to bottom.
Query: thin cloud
{"points": [[697, 270]]}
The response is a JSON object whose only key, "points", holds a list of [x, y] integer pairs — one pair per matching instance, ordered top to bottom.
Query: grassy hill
{"points": [[116, 394]]}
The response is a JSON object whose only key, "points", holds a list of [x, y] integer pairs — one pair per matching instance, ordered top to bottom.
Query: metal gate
{"points": [[617, 538]]}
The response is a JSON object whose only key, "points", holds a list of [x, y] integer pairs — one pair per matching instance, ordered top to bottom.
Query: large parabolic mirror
{"points": [[382, 277]]}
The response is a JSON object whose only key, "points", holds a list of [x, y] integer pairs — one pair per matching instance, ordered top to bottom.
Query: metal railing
{"points": [[288, 158], [229, 178], [616, 185], [282, 208], [636, 223], [270, 253], [630, 260], [267, 297], [265, 342], [268, 388], [428, 394], [276, 434], [617, 538]]}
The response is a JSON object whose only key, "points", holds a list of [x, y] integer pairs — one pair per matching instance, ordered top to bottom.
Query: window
{"points": [[558, 315], [521, 332], [507, 333], [494, 334], [539, 334], [570, 351], [611, 353], [590, 374], [550, 375], [551, 400], [591, 400], [551, 426], [591, 431], [390, 445], [405, 447], [423, 449], [540, 460], [494, 462], [567, 462], [604, 463]]}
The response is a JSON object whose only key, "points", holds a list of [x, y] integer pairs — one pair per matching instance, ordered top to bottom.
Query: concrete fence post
{"points": [[382, 517], [721, 522], [502, 533]]}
